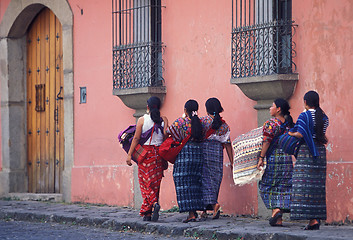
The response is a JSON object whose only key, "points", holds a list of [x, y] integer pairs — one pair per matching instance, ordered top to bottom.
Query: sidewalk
{"points": [[127, 219]]}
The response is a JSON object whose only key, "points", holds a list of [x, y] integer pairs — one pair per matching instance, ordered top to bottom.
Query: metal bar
{"points": [[254, 6], [249, 11], [241, 12], [244, 12], [236, 13], [120, 23], [126, 25]]}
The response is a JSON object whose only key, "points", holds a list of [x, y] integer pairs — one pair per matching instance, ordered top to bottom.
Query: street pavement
{"points": [[121, 219], [24, 230]]}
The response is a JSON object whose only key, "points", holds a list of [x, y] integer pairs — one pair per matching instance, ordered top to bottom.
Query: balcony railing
{"points": [[262, 38], [137, 46]]}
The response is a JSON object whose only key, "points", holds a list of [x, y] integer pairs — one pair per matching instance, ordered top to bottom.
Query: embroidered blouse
{"points": [[180, 128], [272, 128], [222, 134]]}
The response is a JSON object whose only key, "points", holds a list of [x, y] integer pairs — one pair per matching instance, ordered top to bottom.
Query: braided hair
{"points": [[313, 100], [154, 104], [284, 105], [191, 107], [214, 107]]}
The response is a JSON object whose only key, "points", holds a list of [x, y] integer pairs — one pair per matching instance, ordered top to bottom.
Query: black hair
{"points": [[313, 100], [154, 104], [284, 105], [214, 107], [196, 126]]}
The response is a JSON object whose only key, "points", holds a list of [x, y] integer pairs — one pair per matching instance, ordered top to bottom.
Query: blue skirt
{"points": [[212, 171], [187, 174], [276, 183], [309, 185]]}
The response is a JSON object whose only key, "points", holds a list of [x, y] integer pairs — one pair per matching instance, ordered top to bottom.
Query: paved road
{"points": [[49, 231]]}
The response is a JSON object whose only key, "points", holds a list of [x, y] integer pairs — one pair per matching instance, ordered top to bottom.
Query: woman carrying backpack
{"points": [[150, 169]]}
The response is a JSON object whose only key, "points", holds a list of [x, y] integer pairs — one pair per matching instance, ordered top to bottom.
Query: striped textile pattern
{"points": [[247, 148], [212, 172], [150, 173], [187, 175], [309, 185]]}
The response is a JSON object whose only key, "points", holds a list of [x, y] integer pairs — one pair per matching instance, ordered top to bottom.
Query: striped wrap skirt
{"points": [[212, 172], [150, 173], [187, 175], [276, 183], [309, 185]]}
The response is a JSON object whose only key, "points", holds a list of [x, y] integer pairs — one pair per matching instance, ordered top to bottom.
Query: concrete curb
{"points": [[126, 219]]}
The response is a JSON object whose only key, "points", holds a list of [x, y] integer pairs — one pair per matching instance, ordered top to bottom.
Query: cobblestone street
{"points": [[54, 231]]}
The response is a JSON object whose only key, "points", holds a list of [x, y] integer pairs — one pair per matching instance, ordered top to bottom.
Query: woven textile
{"points": [[247, 149], [150, 172], [212, 172], [187, 174], [276, 183], [308, 189]]}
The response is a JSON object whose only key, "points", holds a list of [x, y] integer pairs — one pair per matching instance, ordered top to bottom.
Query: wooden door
{"points": [[45, 110]]}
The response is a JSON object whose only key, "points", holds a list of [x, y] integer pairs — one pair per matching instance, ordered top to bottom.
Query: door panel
{"points": [[44, 109]]}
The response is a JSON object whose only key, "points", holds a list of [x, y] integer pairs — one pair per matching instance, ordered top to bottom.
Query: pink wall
{"points": [[203, 44], [324, 47], [197, 65], [99, 174]]}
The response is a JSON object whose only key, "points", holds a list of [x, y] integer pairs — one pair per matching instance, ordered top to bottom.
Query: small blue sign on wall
{"points": [[83, 95]]}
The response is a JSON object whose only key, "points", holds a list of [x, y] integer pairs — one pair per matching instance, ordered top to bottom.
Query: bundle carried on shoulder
{"points": [[247, 148]]}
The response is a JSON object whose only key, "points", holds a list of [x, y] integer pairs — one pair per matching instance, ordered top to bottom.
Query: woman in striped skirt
{"points": [[217, 134], [150, 169], [187, 171], [309, 176], [276, 183]]}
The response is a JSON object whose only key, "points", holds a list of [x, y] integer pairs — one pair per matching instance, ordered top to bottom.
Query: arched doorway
{"points": [[14, 27], [45, 112]]}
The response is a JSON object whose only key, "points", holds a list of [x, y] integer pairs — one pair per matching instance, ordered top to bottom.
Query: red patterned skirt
{"points": [[150, 173]]}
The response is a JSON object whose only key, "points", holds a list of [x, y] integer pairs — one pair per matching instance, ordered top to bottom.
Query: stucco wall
{"points": [[325, 47], [197, 65]]}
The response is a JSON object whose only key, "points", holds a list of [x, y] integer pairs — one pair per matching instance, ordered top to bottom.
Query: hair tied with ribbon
{"points": [[194, 113]]}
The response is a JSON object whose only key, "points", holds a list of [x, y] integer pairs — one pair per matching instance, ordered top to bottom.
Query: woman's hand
{"points": [[128, 160], [260, 163]]}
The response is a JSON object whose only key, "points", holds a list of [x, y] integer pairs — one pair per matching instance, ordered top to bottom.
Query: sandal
{"points": [[217, 210], [155, 213], [204, 214], [147, 218], [189, 220], [273, 220], [315, 226]]}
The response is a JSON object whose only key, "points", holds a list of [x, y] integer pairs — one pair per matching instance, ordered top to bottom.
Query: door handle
{"points": [[58, 97]]}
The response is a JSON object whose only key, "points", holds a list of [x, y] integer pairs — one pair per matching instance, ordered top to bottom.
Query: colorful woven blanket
{"points": [[247, 148]]}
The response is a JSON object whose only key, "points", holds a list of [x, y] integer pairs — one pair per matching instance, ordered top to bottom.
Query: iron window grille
{"points": [[262, 38], [137, 46]]}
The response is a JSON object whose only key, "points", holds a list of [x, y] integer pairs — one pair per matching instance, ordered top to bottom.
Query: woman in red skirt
{"points": [[150, 169]]}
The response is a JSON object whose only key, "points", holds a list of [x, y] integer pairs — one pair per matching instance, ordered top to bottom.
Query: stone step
{"points": [[45, 197]]}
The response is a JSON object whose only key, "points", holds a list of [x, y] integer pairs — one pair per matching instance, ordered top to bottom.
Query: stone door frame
{"points": [[13, 29]]}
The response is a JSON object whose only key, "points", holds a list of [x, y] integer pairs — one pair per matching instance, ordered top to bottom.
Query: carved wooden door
{"points": [[45, 110]]}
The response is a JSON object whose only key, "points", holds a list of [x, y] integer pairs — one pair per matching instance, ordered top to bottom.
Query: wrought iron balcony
{"points": [[263, 49], [138, 65]]}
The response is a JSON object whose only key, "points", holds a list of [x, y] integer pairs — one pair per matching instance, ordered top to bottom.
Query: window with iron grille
{"points": [[262, 38], [137, 45]]}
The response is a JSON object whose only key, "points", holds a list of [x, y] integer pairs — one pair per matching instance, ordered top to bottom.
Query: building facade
{"points": [[74, 73]]}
